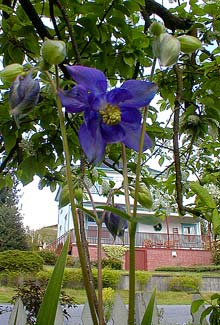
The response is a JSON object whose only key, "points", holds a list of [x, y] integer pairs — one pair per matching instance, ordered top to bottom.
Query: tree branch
{"points": [[170, 21]]}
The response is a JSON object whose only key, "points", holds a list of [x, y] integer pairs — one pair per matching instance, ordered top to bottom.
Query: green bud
{"points": [[156, 28], [189, 43], [169, 49], [53, 52], [10, 72], [78, 194], [64, 196], [143, 197]]}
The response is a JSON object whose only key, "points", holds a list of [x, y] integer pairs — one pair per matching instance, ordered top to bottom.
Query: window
{"points": [[189, 229]]}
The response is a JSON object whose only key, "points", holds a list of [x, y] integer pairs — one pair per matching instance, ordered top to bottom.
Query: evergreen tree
{"points": [[12, 232]]}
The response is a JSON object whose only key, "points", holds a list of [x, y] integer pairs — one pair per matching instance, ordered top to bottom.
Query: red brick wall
{"points": [[92, 252], [157, 257]]}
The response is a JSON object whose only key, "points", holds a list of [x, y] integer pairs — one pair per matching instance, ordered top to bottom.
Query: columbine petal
{"points": [[90, 78], [142, 93], [118, 95], [74, 100], [131, 116], [112, 133], [132, 138], [93, 144]]}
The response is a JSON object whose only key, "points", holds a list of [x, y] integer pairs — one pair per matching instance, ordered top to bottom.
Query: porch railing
{"points": [[148, 240]]}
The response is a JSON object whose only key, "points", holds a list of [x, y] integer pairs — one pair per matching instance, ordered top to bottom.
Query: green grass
{"points": [[79, 295]]}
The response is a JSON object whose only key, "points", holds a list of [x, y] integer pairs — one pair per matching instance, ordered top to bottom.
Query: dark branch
{"points": [[170, 21]]}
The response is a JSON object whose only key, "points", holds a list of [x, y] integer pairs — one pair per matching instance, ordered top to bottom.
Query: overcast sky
{"points": [[38, 207]]}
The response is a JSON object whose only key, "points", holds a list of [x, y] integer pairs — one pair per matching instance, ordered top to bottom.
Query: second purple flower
{"points": [[109, 116]]}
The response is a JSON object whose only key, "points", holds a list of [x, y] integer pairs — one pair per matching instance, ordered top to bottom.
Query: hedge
{"points": [[20, 261]]}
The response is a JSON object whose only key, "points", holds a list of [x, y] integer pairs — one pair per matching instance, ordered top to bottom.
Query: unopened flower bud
{"points": [[156, 28], [189, 43], [169, 49], [53, 51], [10, 72], [23, 96], [78, 193], [64, 196], [143, 197], [115, 224]]}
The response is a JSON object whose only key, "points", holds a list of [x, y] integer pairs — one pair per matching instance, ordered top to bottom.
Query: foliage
{"points": [[12, 233], [40, 237], [115, 251], [216, 252], [48, 257], [20, 261], [72, 261], [112, 263], [196, 268], [72, 278], [110, 278], [142, 278], [185, 283], [32, 294], [108, 302], [212, 308]]}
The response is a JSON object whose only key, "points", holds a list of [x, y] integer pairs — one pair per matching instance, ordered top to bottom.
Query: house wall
{"points": [[152, 258]]}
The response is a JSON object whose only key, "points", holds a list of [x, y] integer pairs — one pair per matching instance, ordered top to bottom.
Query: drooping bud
{"points": [[156, 28], [189, 43], [169, 50], [53, 51], [10, 72], [23, 96], [78, 194], [64, 196], [143, 196], [115, 224]]}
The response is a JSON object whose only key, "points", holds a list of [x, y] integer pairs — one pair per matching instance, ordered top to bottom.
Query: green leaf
{"points": [[6, 9], [203, 195], [89, 212], [216, 221], [215, 296], [196, 304], [48, 308], [206, 312], [148, 315]]}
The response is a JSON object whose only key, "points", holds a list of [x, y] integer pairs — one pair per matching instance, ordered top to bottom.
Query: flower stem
{"points": [[72, 202]]}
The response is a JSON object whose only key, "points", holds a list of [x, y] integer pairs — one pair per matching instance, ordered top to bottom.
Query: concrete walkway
{"points": [[171, 315]]}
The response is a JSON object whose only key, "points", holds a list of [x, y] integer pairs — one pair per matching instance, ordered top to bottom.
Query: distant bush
{"points": [[114, 251], [216, 253], [48, 257], [20, 261], [72, 261], [112, 263], [195, 268], [42, 277], [110, 277], [73, 278], [142, 278], [14, 279], [185, 283]]}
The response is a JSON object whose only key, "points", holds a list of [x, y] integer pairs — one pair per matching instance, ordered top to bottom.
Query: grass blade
{"points": [[48, 308], [148, 315]]}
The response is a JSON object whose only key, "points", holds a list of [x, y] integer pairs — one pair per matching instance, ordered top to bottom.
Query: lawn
{"points": [[163, 298]]}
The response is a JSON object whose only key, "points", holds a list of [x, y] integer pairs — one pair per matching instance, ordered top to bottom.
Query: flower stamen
{"points": [[111, 115]]}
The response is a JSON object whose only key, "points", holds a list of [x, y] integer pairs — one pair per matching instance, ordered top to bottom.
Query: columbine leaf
{"points": [[203, 195], [196, 304], [48, 308], [206, 312], [148, 315]]}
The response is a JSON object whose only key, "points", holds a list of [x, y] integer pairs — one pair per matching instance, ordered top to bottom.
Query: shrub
{"points": [[113, 251], [216, 253], [48, 257], [20, 261], [73, 261], [112, 263], [195, 268], [42, 277], [110, 277], [142, 277], [73, 278], [14, 279], [185, 283], [108, 302]]}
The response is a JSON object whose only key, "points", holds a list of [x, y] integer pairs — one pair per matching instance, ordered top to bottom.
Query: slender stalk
{"points": [[72, 202], [99, 258]]}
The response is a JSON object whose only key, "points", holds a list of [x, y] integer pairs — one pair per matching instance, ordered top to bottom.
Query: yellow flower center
{"points": [[111, 115]]}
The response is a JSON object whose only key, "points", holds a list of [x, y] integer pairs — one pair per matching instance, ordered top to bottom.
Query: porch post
{"points": [[168, 231]]}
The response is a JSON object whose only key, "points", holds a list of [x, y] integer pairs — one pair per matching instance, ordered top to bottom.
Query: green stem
{"points": [[72, 202], [133, 226]]}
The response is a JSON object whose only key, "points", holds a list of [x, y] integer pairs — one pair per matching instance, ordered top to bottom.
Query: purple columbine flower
{"points": [[23, 96], [109, 116], [115, 224]]}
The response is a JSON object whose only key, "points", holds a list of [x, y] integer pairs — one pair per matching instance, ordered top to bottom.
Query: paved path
{"points": [[171, 315]]}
